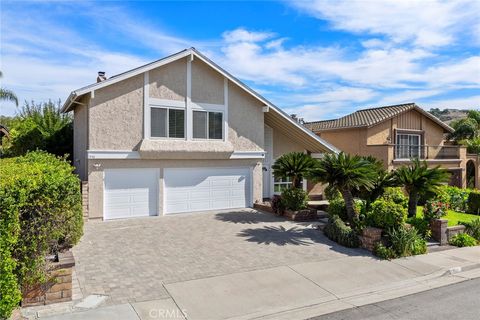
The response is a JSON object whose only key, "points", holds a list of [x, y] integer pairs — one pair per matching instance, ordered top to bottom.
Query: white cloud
{"points": [[423, 23], [243, 35], [472, 102]]}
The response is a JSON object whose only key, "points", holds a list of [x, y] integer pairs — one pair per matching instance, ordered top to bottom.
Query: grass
{"points": [[453, 217]]}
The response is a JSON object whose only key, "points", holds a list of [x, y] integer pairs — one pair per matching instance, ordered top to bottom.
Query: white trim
{"points": [[92, 94], [188, 101], [167, 103], [146, 106], [207, 106], [225, 107], [265, 109], [112, 154], [248, 155], [317, 155]]}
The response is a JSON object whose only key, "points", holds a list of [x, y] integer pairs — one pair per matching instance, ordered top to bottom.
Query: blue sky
{"points": [[318, 59]]}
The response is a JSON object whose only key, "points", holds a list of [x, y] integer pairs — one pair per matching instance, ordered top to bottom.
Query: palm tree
{"points": [[8, 95], [293, 165], [346, 173], [418, 179]]}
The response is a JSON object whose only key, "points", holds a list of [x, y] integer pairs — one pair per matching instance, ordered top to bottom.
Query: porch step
{"points": [[322, 214]]}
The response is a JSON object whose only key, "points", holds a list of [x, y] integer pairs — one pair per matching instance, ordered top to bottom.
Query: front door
{"points": [[267, 163]]}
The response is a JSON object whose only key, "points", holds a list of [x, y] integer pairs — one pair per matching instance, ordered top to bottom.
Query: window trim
{"points": [[208, 111], [167, 122], [408, 133]]}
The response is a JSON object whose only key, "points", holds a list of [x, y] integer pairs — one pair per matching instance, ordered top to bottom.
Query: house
{"points": [[396, 134], [179, 135]]}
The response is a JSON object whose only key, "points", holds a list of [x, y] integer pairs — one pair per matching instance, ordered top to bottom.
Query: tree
{"points": [[8, 95], [41, 126], [466, 128], [293, 165], [347, 174], [418, 180]]}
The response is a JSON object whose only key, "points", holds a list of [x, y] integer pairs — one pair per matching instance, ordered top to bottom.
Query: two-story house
{"points": [[396, 134], [179, 135]]}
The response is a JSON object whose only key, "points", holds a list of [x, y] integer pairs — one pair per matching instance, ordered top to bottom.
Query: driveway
{"points": [[132, 260]]}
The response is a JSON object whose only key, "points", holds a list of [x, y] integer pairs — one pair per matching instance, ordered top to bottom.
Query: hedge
{"points": [[474, 202], [40, 215], [339, 232]]}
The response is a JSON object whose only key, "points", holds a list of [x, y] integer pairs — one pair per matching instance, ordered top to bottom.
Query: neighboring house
{"points": [[395, 134], [179, 135]]}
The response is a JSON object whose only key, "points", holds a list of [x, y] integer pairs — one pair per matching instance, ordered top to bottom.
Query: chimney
{"points": [[101, 76], [294, 117]]}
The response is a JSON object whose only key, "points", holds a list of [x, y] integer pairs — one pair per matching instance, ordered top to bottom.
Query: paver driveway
{"points": [[130, 260]]}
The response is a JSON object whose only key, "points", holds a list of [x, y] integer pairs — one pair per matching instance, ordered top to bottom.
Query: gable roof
{"points": [[77, 94], [370, 117]]}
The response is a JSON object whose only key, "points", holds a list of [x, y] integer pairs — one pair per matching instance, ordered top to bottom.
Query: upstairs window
{"points": [[167, 123], [207, 125], [408, 146]]}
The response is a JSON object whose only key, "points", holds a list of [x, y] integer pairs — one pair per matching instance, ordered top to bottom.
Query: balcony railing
{"points": [[426, 152]]}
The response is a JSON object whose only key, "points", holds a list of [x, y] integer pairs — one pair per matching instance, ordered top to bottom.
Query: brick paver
{"points": [[130, 260]]}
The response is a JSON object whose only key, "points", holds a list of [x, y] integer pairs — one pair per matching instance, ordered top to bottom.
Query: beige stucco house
{"points": [[395, 134], [179, 135]]}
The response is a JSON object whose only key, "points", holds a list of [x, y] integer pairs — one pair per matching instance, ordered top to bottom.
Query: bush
{"points": [[40, 192], [332, 193], [396, 195], [457, 198], [294, 199], [473, 202], [277, 205], [336, 207], [434, 210], [386, 214], [422, 225], [472, 228], [339, 232], [463, 240], [406, 242], [384, 252]]}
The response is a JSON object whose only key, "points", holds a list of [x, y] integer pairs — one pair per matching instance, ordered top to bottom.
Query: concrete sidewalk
{"points": [[295, 291]]}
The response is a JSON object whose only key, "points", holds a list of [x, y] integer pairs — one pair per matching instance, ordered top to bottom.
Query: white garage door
{"points": [[199, 189], [130, 193]]}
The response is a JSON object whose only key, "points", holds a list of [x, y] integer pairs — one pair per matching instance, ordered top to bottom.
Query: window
{"points": [[167, 122], [207, 125], [408, 146], [281, 184]]}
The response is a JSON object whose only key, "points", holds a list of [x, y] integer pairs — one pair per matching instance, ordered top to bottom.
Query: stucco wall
{"points": [[169, 81], [207, 84], [116, 116], [245, 117], [380, 133], [80, 138], [283, 144], [96, 176]]}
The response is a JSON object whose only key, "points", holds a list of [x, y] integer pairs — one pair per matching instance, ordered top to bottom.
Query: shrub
{"points": [[40, 192], [331, 193], [396, 195], [458, 198], [294, 199], [474, 202], [277, 205], [336, 207], [434, 210], [386, 214], [422, 226], [472, 228], [339, 232], [463, 240], [406, 242], [384, 252]]}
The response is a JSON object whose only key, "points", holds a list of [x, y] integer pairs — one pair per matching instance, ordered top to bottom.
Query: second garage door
{"points": [[199, 189]]}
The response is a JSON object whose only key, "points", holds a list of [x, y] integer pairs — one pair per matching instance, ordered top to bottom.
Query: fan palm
{"points": [[8, 95], [293, 165], [346, 173], [418, 179]]}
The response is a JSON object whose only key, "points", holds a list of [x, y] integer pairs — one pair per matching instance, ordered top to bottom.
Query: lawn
{"points": [[453, 216]]}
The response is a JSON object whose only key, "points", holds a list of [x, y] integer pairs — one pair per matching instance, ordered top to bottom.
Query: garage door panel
{"points": [[203, 189], [130, 192]]}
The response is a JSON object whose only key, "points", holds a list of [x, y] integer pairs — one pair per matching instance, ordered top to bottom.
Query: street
{"points": [[457, 301]]}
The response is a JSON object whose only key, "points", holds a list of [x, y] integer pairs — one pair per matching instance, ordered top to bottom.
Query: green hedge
{"points": [[458, 198], [294, 199], [474, 202], [41, 214], [386, 214], [339, 232]]}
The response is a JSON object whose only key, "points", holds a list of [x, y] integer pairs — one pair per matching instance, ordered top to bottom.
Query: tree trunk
{"points": [[294, 182], [412, 204], [350, 205]]}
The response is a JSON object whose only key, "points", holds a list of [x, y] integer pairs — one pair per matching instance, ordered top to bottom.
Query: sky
{"points": [[317, 59]]}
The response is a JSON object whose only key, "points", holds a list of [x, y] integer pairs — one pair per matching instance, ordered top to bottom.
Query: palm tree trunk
{"points": [[294, 182], [412, 204], [350, 205]]}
